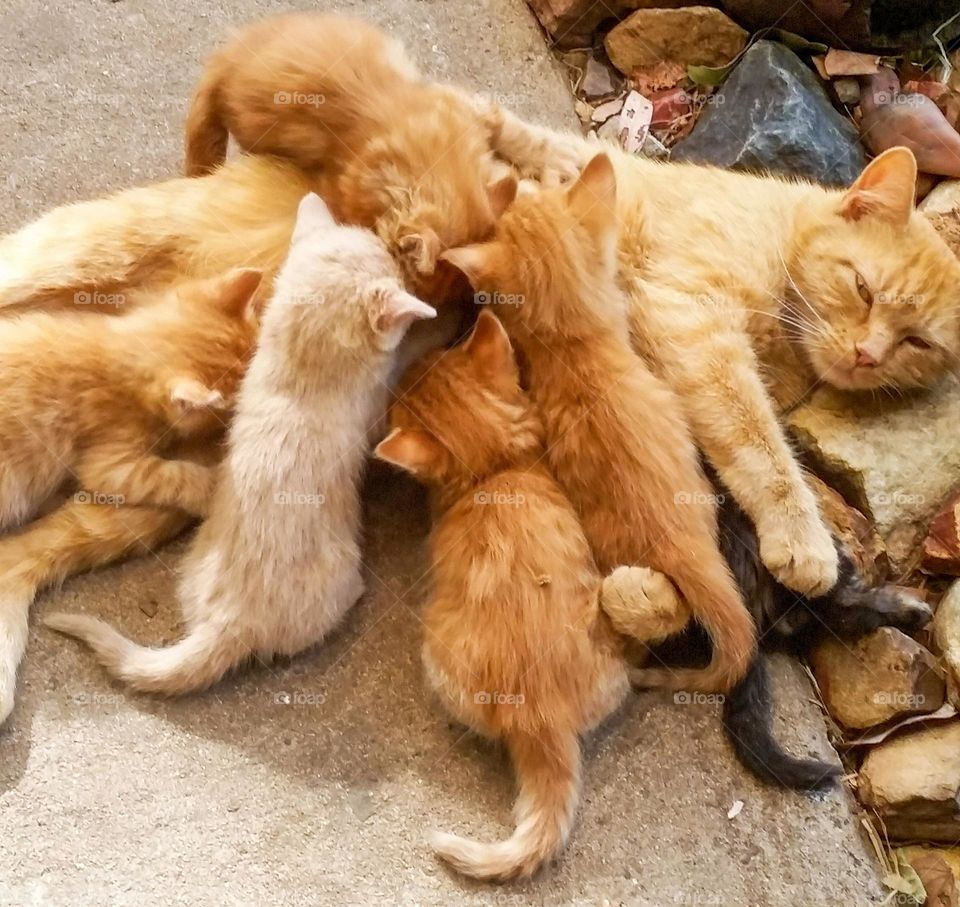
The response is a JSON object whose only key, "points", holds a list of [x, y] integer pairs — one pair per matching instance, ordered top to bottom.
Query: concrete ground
{"points": [[314, 782]]}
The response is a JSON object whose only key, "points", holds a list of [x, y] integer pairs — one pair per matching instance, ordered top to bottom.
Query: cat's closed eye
{"points": [[864, 290], [918, 342]]}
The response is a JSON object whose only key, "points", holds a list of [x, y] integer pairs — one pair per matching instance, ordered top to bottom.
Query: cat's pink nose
{"points": [[865, 358]]}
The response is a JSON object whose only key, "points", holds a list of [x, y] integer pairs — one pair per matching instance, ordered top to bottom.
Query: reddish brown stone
{"points": [[941, 548]]}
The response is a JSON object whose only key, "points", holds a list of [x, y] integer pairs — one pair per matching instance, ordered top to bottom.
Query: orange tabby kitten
{"points": [[395, 153], [97, 402], [616, 437], [516, 644]]}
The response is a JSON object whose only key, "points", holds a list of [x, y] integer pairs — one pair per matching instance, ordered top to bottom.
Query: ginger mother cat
{"points": [[747, 291]]}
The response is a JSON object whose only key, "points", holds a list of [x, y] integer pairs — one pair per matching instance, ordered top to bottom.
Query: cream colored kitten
{"points": [[277, 563]]}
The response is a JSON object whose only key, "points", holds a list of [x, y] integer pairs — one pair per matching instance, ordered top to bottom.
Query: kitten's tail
{"points": [[206, 133], [74, 537], [706, 583], [194, 663], [747, 719], [548, 772]]}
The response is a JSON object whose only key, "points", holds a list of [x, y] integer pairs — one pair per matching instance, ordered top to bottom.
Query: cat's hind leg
{"points": [[82, 255], [119, 472], [74, 537], [643, 604]]}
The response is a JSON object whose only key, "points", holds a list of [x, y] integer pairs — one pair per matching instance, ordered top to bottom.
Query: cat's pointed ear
{"points": [[886, 189], [502, 193], [593, 197], [312, 213], [420, 251], [475, 262], [236, 291], [392, 310], [490, 349], [187, 394], [413, 450]]}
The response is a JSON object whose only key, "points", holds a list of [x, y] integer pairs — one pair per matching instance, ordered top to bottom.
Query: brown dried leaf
{"points": [[937, 879]]}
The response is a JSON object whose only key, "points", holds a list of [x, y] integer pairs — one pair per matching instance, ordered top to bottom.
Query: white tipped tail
{"points": [[194, 663], [548, 774]]}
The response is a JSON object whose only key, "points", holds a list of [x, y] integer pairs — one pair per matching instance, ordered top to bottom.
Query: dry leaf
{"points": [[849, 63], [937, 879]]}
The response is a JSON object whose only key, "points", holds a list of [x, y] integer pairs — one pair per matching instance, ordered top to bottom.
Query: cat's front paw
{"points": [[801, 557]]}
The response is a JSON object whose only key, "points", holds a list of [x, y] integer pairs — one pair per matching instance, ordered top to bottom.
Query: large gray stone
{"points": [[773, 115], [896, 461]]}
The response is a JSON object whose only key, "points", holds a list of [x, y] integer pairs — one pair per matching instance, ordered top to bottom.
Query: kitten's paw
{"points": [[801, 557], [643, 603]]}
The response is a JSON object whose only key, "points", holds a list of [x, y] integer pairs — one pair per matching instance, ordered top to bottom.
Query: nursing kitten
{"points": [[336, 95], [748, 290], [95, 399], [102, 404], [616, 438], [277, 563], [517, 641]]}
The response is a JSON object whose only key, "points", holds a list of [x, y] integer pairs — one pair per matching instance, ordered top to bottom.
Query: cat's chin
{"points": [[845, 377]]}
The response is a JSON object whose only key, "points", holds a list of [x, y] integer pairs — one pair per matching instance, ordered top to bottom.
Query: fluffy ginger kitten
{"points": [[339, 97], [94, 398], [104, 403], [616, 437], [277, 563], [519, 635]]}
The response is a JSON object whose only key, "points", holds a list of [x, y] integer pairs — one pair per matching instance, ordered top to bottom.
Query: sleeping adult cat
{"points": [[748, 290]]}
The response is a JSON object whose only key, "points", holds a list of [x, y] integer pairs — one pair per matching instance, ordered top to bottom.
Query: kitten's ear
{"points": [[886, 189], [502, 193], [593, 197], [312, 212], [420, 251], [476, 262], [235, 291], [392, 310], [490, 349], [187, 393], [415, 451]]}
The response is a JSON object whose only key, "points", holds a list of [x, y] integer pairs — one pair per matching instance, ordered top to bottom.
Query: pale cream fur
{"points": [[277, 563]]}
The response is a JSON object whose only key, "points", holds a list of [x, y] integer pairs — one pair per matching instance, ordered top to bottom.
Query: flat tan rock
{"points": [[692, 35], [882, 676], [913, 783]]}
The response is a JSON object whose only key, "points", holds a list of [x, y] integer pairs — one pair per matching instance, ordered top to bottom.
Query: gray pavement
{"points": [[314, 782]]}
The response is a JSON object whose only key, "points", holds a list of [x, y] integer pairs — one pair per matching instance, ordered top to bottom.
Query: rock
{"points": [[571, 23], [691, 35], [600, 81], [847, 91], [610, 109], [584, 111], [772, 114], [610, 131], [944, 199], [948, 226], [896, 461], [856, 533], [941, 547], [946, 638], [880, 677], [913, 783]]}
